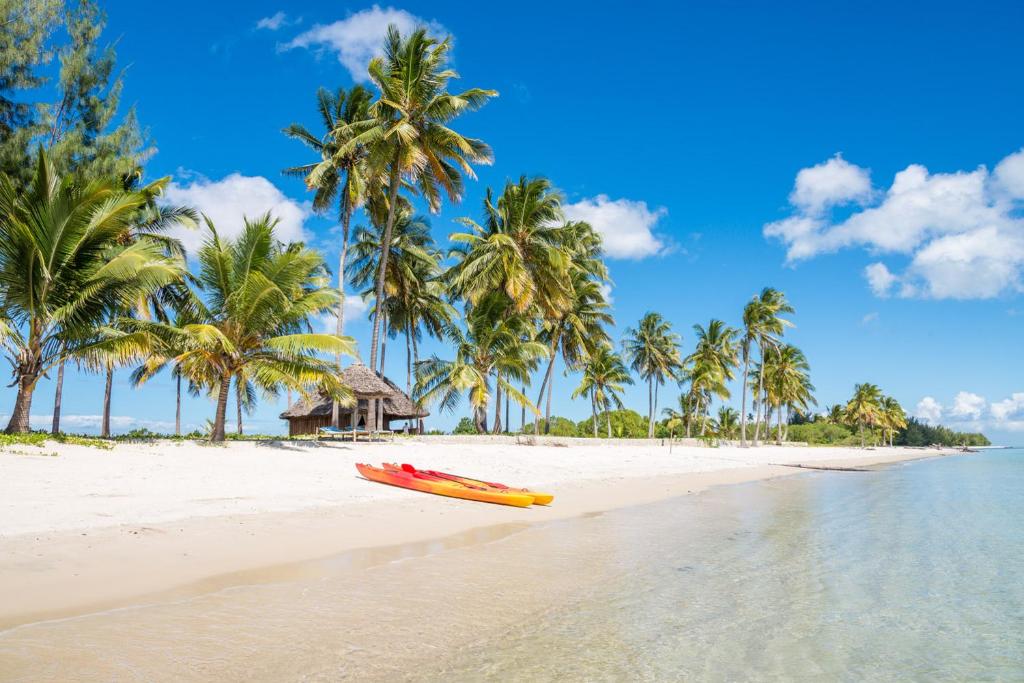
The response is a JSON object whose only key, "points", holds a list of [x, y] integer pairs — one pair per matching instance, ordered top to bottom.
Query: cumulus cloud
{"points": [[273, 22], [360, 37], [832, 183], [227, 201], [626, 226], [963, 232], [880, 279], [606, 292], [355, 309], [968, 405], [929, 410], [972, 411], [92, 423]]}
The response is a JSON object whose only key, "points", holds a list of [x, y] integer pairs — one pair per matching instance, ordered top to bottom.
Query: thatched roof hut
{"points": [[307, 415]]}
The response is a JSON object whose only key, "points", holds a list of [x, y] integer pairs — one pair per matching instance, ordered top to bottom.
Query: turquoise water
{"points": [[909, 572], [913, 572]]}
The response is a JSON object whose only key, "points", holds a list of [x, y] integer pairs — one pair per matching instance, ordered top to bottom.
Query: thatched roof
{"points": [[365, 384]]}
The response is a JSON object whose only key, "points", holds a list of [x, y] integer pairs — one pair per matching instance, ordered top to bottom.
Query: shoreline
{"points": [[62, 572]]}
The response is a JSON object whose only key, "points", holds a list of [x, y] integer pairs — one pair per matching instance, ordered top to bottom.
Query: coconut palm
{"points": [[409, 136], [339, 175], [518, 250], [65, 261], [252, 320], [763, 324], [575, 333], [652, 350], [490, 352], [710, 366], [603, 381], [787, 383], [865, 408], [893, 417], [727, 423]]}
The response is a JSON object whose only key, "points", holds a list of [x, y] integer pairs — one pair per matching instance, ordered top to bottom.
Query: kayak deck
{"points": [[407, 480]]}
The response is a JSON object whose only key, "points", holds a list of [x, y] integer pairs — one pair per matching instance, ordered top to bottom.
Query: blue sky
{"points": [[680, 132]]}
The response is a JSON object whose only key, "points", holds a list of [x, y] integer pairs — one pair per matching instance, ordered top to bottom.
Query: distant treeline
{"points": [[629, 424]]}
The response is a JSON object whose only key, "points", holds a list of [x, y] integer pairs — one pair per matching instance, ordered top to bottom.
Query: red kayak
{"points": [[538, 498]]}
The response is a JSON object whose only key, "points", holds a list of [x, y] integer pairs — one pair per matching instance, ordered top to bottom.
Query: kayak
{"points": [[407, 480], [538, 497]]}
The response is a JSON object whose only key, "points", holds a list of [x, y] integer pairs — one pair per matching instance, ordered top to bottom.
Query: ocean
{"points": [[910, 571]]}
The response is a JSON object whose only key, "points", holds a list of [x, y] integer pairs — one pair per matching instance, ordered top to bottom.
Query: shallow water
{"points": [[909, 572]]}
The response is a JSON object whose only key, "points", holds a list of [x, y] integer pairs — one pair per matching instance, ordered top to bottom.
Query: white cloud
{"points": [[274, 22], [360, 37], [832, 183], [227, 201], [626, 226], [963, 232], [880, 278], [606, 292], [355, 309], [869, 318], [967, 404], [1009, 409], [929, 410], [972, 412], [91, 423]]}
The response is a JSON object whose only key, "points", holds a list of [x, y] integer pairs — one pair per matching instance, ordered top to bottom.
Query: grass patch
{"points": [[39, 439]]}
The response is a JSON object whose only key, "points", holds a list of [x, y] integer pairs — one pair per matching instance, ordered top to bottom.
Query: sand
{"points": [[91, 529]]}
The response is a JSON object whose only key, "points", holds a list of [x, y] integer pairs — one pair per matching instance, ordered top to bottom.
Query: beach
{"points": [[85, 529]]}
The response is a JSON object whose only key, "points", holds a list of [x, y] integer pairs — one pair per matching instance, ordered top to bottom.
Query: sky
{"points": [[866, 158]]}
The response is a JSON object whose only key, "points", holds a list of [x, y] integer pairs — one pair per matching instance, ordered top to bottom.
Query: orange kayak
{"points": [[407, 480], [538, 497]]}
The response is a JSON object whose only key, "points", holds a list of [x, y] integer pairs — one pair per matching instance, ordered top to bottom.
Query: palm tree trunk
{"points": [[346, 217], [385, 249], [383, 340], [415, 360], [544, 384], [239, 387], [107, 389], [760, 392], [57, 396], [743, 403], [177, 407], [497, 407], [650, 407], [222, 408], [547, 409], [593, 411], [522, 417], [608, 419], [508, 421], [19, 422], [861, 426], [778, 436]]}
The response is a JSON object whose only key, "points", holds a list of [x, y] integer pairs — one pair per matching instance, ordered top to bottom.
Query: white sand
{"points": [[91, 529]]}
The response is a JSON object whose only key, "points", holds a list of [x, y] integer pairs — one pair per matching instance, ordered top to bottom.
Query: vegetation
{"points": [[89, 275]]}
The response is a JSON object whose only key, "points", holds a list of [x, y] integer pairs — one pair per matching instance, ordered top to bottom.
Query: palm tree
{"points": [[409, 136], [339, 175], [517, 250], [64, 263], [251, 323], [763, 324], [575, 333], [491, 347], [652, 350], [711, 366], [603, 381], [787, 383], [864, 409], [893, 417], [727, 423]]}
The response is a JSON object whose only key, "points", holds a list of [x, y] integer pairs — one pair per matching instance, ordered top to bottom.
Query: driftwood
{"points": [[821, 467]]}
